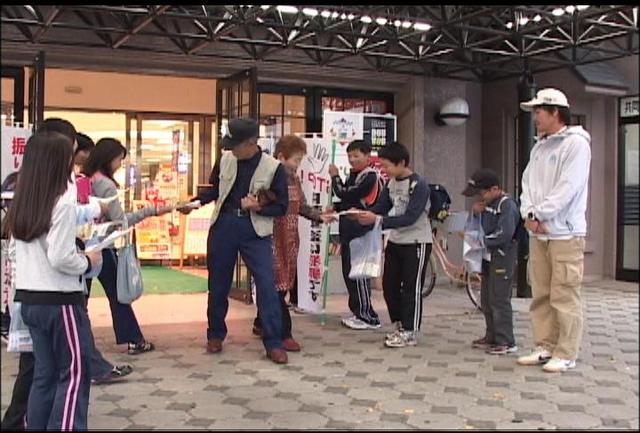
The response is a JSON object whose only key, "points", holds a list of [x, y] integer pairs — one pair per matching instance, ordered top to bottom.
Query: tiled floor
{"points": [[347, 379]]}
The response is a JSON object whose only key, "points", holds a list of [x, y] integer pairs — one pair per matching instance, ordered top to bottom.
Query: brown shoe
{"points": [[214, 345], [291, 345], [279, 356]]}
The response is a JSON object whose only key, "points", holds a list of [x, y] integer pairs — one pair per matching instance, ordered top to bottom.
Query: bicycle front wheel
{"points": [[429, 277], [473, 284]]}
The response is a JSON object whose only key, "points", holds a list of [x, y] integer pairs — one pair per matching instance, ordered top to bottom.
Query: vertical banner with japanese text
{"points": [[14, 141], [314, 175]]}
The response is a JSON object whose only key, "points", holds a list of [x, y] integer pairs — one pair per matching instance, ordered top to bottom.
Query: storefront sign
{"points": [[629, 107], [379, 130], [14, 141], [314, 175], [153, 240]]}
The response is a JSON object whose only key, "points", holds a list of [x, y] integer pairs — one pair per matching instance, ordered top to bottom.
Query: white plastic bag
{"points": [[473, 246], [366, 254], [129, 279], [19, 335]]}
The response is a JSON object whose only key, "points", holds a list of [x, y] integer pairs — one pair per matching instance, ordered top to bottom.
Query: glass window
{"points": [[7, 101], [270, 103], [294, 105], [294, 125]]}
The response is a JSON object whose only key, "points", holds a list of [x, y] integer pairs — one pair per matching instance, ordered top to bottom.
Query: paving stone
{"points": [[183, 407], [444, 409], [123, 413], [575, 421], [200, 422]]}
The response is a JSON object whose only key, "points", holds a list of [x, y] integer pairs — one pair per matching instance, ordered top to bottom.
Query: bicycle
{"points": [[472, 282]]}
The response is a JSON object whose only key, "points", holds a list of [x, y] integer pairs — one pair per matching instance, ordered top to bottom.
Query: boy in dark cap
{"points": [[250, 189], [500, 218]]}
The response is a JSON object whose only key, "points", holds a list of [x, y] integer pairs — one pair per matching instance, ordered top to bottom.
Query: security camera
{"points": [[453, 112]]}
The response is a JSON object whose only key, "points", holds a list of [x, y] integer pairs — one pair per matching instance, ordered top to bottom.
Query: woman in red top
{"points": [[290, 150]]}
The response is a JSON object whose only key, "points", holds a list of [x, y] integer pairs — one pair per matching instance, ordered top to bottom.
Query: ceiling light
{"points": [[265, 7], [582, 7], [287, 9], [570, 9], [310, 12], [557, 12], [325, 14], [335, 15], [343, 16], [351, 17], [537, 18], [365, 19], [382, 21], [524, 21], [397, 23], [406, 24], [509, 24], [424, 27], [292, 35], [360, 43]]}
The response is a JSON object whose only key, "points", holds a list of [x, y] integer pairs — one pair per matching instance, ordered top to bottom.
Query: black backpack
{"points": [[440, 202], [520, 234]]}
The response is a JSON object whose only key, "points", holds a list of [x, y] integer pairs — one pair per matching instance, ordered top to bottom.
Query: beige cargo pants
{"points": [[555, 273]]}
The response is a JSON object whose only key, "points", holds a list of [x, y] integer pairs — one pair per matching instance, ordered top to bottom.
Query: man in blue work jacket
{"points": [[243, 222]]}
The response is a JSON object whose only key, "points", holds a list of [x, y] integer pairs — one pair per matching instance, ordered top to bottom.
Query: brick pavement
{"points": [[346, 379]]}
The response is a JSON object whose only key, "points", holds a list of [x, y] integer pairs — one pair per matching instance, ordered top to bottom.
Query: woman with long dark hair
{"points": [[105, 159], [49, 284]]}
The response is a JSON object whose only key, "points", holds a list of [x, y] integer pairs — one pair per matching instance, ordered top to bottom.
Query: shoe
{"points": [[298, 310], [355, 323], [398, 328], [256, 330], [402, 339], [481, 343], [214, 345], [291, 345], [137, 348], [501, 349], [539, 355], [279, 356], [557, 365], [118, 373]]}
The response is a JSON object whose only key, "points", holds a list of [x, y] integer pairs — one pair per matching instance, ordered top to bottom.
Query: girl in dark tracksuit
{"points": [[49, 284]]}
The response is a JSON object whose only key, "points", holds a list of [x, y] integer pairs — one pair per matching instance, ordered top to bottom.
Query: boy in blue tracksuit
{"points": [[359, 191]]}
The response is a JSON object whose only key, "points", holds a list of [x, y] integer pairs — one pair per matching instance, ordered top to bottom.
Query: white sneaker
{"points": [[355, 323], [398, 328], [402, 339], [539, 355], [557, 365]]}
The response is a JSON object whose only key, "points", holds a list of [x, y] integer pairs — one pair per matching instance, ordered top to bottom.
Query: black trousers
{"points": [[404, 271], [495, 295], [286, 317], [14, 417]]}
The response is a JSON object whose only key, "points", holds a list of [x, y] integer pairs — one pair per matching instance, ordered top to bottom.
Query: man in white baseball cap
{"points": [[553, 204]]}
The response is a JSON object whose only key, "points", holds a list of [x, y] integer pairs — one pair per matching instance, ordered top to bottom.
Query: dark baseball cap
{"points": [[239, 130], [484, 178]]}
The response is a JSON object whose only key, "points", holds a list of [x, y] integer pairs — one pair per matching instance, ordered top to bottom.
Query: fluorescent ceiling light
{"points": [[265, 7], [582, 7], [287, 9], [570, 9], [310, 12], [558, 12], [326, 14], [335, 15], [343, 16], [351, 17], [537, 18], [366, 19], [381, 21], [524, 21], [397, 23], [406, 24], [509, 24], [422, 27], [360, 43]]}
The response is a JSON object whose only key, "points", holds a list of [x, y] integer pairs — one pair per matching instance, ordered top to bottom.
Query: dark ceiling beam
{"points": [[53, 14], [13, 17], [142, 24], [92, 27]]}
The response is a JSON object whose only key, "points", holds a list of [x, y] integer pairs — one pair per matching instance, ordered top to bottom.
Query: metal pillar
{"points": [[526, 130]]}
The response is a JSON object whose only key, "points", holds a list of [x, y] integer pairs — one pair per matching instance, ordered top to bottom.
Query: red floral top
{"points": [[286, 241]]}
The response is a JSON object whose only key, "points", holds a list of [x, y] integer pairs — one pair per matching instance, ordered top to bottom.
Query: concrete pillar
{"points": [[409, 106]]}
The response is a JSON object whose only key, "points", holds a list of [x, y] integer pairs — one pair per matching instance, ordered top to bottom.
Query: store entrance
{"points": [[168, 156]]}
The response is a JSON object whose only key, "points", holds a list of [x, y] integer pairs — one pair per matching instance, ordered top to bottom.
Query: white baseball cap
{"points": [[546, 96]]}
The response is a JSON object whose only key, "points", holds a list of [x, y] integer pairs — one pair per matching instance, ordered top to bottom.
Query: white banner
{"points": [[14, 141], [314, 174]]}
